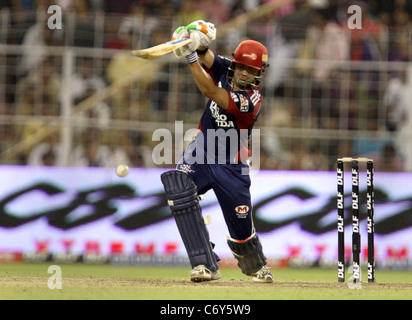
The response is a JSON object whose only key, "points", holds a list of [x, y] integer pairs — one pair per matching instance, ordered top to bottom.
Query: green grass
{"points": [[82, 281]]}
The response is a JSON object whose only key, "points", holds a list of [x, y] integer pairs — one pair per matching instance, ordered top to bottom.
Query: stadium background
{"points": [[329, 92]]}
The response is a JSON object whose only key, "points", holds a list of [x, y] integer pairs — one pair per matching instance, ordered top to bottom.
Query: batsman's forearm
{"points": [[207, 58], [203, 80]]}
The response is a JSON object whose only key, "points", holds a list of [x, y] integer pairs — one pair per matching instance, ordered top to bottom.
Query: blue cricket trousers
{"points": [[232, 189]]}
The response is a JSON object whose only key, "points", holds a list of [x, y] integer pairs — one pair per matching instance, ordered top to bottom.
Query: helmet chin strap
{"points": [[244, 84]]}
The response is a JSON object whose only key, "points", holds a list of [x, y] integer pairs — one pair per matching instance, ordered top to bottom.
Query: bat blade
{"points": [[161, 49]]}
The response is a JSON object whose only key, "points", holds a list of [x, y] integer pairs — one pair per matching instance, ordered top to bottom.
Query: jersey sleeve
{"points": [[219, 68], [245, 107]]}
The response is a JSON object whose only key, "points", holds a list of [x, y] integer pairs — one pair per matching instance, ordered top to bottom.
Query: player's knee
{"points": [[180, 189]]}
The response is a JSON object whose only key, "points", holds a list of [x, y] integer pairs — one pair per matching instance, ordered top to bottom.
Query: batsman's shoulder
{"points": [[223, 59], [217, 64], [255, 96]]}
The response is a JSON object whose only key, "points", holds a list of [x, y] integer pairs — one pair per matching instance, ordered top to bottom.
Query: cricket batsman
{"points": [[217, 158]]}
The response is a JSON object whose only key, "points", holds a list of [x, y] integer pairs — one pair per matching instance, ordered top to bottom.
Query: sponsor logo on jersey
{"points": [[220, 119], [242, 211]]}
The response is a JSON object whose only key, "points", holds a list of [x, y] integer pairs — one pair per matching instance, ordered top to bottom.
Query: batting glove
{"points": [[206, 31], [188, 49]]}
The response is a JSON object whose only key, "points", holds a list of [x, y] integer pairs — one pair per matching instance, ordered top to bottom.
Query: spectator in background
{"points": [[65, 5], [118, 6], [160, 7], [239, 7], [189, 11], [217, 11], [20, 15], [139, 23], [84, 31], [401, 36], [112, 38], [35, 40], [284, 42], [365, 42], [327, 44], [330, 44], [283, 51], [123, 65], [85, 79], [46, 80], [398, 100], [29, 106], [25, 107], [98, 116], [7, 136], [86, 148], [102, 148], [120, 148], [339, 148], [298, 152], [46, 153], [272, 153], [315, 160], [388, 160]]}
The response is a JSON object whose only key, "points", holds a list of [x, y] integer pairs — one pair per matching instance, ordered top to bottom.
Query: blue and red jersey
{"points": [[224, 134]]}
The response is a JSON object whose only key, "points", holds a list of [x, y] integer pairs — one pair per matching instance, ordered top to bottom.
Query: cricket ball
{"points": [[122, 170]]}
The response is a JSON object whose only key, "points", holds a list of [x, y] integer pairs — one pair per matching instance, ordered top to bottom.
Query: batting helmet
{"points": [[252, 54]]}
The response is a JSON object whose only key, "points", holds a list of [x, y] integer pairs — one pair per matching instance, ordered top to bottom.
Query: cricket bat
{"points": [[241, 20], [160, 50], [154, 53]]}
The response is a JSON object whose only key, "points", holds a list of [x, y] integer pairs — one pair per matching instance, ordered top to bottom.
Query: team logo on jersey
{"points": [[244, 104], [242, 211]]}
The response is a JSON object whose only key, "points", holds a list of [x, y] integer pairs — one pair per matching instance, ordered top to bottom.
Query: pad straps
{"points": [[249, 254]]}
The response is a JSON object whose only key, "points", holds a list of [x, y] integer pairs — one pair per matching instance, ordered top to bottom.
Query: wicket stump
{"points": [[356, 237]]}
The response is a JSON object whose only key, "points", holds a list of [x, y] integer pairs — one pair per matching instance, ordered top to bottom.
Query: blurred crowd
{"points": [[317, 31]]}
